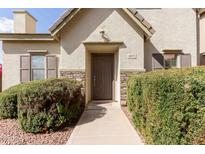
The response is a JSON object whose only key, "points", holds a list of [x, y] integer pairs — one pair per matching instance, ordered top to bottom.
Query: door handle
{"points": [[94, 78]]}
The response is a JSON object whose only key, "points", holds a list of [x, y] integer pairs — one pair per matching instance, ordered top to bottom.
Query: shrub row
{"points": [[8, 102], [44, 105], [168, 106]]}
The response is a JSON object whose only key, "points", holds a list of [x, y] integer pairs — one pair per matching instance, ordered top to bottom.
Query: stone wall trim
{"points": [[72, 70], [124, 76]]}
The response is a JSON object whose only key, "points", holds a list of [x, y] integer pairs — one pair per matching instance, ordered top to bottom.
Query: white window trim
{"points": [[37, 51], [178, 61]]}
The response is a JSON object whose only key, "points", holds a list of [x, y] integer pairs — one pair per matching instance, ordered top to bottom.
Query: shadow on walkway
{"points": [[93, 111], [104, 123]]}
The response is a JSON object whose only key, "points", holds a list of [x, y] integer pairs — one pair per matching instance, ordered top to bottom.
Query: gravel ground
{"points": [[11, 134]]}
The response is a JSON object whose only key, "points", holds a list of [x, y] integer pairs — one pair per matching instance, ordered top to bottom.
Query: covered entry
{"points": [[102, 71]]}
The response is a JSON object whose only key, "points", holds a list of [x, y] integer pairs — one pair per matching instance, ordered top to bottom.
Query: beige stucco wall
{"points": [[24, 22], [19, 23], [30, 24], [86, 28], [175, 29], [11, 57]]}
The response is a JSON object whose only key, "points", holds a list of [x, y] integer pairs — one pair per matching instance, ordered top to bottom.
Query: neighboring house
{"points": [[202, 36], [102, 47]]}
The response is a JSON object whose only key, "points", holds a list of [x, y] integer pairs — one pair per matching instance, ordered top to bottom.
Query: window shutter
{"points": [[185, 60], [157, 61], [51, 66], [25, 68]]}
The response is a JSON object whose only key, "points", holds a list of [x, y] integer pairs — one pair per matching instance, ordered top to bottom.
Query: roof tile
{"points": [[132, 10], [139, 17], [142, 20], [146, 24], [152, 30]]}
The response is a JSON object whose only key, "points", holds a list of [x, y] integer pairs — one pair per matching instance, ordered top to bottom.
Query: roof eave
{"points": [[201, 11], [67, 16], [62, 21], [148, 30], [26, 37]]}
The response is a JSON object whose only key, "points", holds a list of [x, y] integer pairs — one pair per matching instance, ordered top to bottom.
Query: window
{"points": [[170, 60], [38, 67]]}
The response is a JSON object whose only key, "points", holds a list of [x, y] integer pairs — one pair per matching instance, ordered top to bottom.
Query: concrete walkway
{"points": [[104, 123]]}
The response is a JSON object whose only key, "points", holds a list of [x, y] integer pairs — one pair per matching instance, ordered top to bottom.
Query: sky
{"points": [[46, 17]]}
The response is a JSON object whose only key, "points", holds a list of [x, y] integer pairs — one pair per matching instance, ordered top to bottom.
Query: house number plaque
{"points": [[132, 56]]}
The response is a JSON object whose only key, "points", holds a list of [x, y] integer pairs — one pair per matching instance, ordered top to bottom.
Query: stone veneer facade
{"points": [[76, 75], [80, 76], [124, 76]]}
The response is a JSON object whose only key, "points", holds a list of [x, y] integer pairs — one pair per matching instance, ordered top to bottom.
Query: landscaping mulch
{"points": [[127, 113], [129, 116], [11, 134]]}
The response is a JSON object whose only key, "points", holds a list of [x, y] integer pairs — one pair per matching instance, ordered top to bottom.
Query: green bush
{"points": [[8, 102], [49, 104], [168, 106]]}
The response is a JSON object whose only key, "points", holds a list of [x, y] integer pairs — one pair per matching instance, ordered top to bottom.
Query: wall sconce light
{"points": [[102, 31], [104, 36]]}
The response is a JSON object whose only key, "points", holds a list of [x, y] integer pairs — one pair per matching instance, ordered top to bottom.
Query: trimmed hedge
{"points": [[8, 102], [49, 104], [43, 105], [168, 106]]}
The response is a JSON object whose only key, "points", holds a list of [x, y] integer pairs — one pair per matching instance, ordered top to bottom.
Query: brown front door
{"points": [[102, 76]]}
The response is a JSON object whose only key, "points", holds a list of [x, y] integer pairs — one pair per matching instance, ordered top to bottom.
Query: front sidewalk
{"points": [[104, 123]]}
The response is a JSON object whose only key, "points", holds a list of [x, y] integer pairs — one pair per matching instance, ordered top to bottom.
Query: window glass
{"points": [[170, 60], [37, 62], [38, 67], [38, 74]]}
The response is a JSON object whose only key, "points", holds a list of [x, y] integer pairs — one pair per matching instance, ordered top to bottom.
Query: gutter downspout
{"points": [[198, 36]]}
